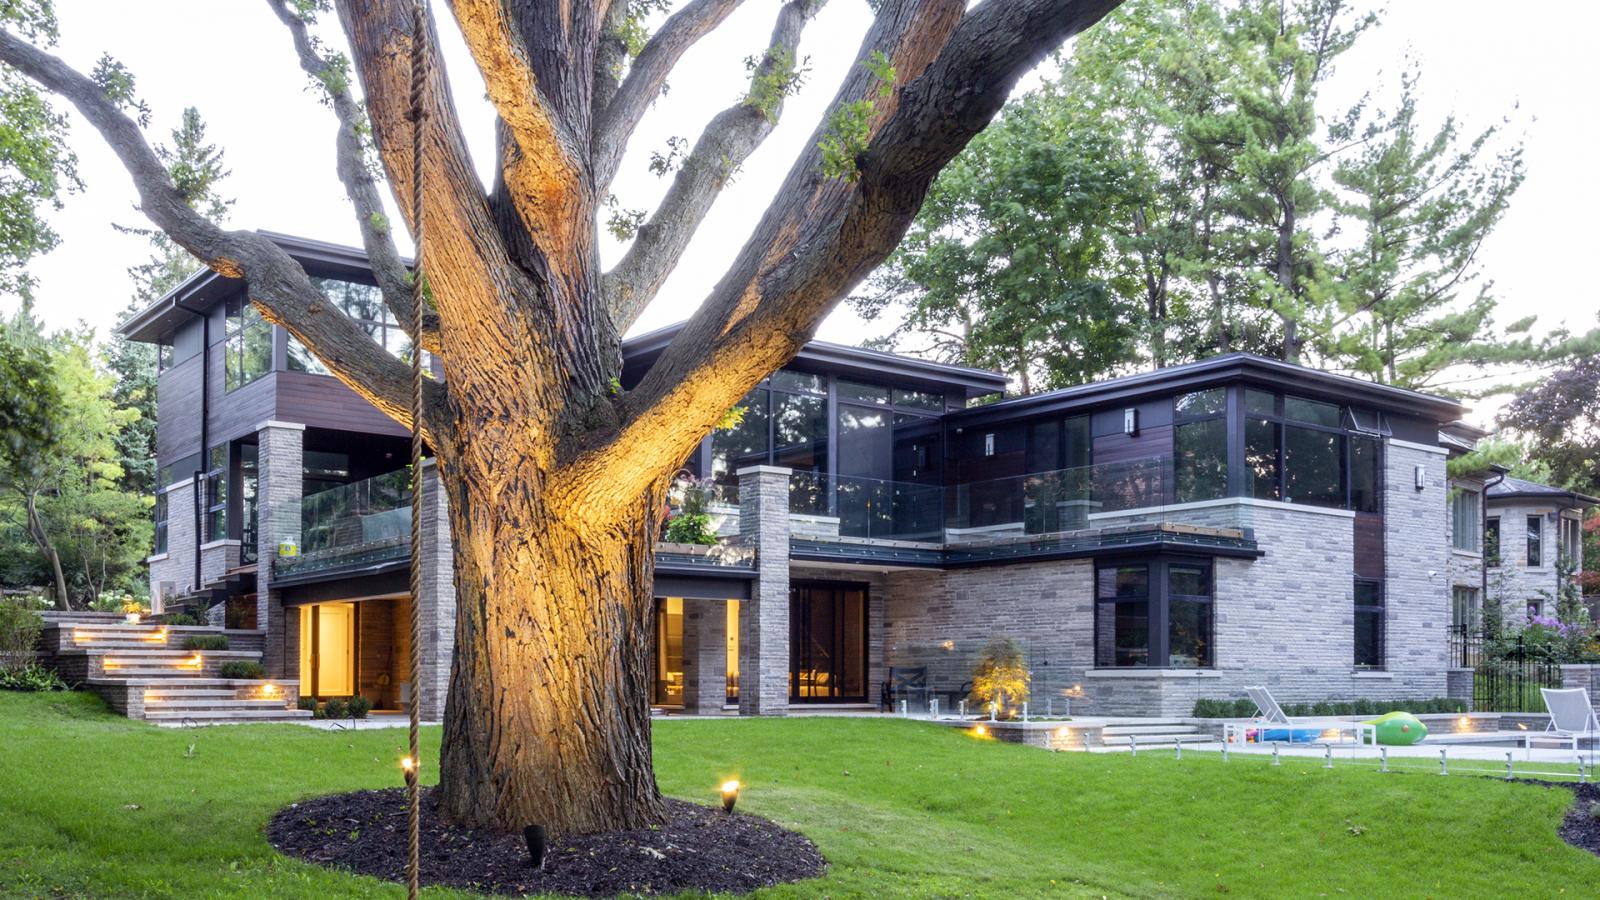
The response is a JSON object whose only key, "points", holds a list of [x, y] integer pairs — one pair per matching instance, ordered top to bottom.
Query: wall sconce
{"points": [[1130, 421], [988, 444], [1420, 474]]}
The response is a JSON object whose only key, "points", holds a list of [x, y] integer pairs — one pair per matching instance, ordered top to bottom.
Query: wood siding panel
{"points": [[322, 401], [178, 411], [1155, 440], [1368, 542]]}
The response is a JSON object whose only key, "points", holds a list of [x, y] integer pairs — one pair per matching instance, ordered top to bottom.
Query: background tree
{"points": [[37, 168], [196, 168], [1420, 206], [1560, 417], [29, 418], [555, 476]]}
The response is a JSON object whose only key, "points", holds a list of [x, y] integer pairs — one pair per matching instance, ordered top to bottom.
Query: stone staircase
{"points": [[144, 672], [1151, 733]]}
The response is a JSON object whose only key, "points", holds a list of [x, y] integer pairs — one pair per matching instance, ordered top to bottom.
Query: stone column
{"points": [[280, 479], [438, 606], [764, 618], [705, 656]]}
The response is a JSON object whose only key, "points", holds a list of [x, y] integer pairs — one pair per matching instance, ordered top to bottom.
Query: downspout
{"points": [[205, 431], [1483, 570]]}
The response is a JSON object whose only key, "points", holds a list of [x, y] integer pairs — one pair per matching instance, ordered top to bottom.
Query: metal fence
{"points": [[1506, 677]]}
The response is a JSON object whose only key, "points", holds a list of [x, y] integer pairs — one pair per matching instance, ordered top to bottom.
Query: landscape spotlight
{"points": [[408, 764], [730, 795]]}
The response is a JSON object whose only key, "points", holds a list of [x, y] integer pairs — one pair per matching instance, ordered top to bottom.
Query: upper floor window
{"points": [[164, 352], [248, 355], [1200, 445], [1301, 451], [217, 493], [1464, 518], [161, 522], [1491, 541], [1535, 541], [1571, 541]]}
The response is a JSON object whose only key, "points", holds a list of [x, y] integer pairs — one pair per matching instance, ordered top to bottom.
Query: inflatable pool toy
{"points": [[1399, 729], [1281, 735]]}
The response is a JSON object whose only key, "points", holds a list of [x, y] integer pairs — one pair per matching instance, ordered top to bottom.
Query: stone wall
{"points": [[280, 478], [172, 573], [1514, 583], [438, 604]]}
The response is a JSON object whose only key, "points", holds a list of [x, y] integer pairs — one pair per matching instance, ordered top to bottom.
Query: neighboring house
{"points": [[1148, 540], [1533, 541]]}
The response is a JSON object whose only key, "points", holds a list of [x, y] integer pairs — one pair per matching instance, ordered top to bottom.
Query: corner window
{"points": [[364, 304], [248, 354], [164, 355], [301, 359], [1263, 457], [1313, 466], [1464, 518], [161, 522], [1535, 541], [1491, 542], [1154, 613], [1368, 624]]}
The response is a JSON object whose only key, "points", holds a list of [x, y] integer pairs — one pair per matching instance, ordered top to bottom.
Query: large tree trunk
{"points": [[41, 538], [548, 719]]}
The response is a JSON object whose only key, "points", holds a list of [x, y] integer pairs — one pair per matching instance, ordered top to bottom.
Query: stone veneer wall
{"points": [[280, 480], [1416, 566], [172, 573], [1513, 582], [438, 604]]}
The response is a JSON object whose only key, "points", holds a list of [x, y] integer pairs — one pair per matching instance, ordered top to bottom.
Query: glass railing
{"points": [[1062, 500], [871, 507], [358, 518]]}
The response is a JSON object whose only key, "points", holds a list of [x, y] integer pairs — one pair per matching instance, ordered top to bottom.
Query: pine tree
{"points": [[197, 168]]}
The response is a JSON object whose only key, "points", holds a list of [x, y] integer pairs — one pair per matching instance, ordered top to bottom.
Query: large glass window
{"points": [[248, 353], [301, 359], [1299, 409], [800, 442], [743, 444], [1201, 450], [1263, 457], [1313, 466], [217, 493], [1464, 520], [161, 522], [1535, 541], [1154, 613], [1188, 616], [1368, 624], [827, 643], [669, 652]]}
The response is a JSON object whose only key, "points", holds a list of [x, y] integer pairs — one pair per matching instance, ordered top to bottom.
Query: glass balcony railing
{"points": [[871, 507], [361, 522]]}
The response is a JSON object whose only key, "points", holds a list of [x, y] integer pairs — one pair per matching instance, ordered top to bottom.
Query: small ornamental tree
{"points": [[555, 474], [1001, 677]]}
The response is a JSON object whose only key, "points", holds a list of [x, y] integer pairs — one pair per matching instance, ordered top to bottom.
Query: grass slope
{"points": [[96, 806]]}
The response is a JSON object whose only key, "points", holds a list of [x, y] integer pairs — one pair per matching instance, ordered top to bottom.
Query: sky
{"points": [[1534, 66]]}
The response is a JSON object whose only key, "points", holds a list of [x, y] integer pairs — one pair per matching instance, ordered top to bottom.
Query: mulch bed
{"points": [[1580, 828], [697, 849]]}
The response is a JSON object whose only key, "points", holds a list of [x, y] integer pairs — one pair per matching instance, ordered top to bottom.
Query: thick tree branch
{"points": [[645, 77], [727, 142], [545, 173], [377, 234], [822, 235], [275, 282]]}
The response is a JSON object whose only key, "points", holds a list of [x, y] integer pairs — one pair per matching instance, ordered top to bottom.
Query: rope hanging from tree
{"points": [[419, 33]]}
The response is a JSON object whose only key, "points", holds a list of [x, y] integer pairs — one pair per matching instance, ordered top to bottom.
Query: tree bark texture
{"points": [[554, 475]]}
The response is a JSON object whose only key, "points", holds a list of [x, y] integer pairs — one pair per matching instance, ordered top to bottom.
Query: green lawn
{"points": [[92, 805]]}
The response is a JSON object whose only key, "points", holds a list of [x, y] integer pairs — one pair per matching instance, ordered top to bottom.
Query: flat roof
{"points": [[1271, 374]]}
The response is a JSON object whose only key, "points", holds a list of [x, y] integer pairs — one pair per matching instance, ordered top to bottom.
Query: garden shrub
{"points": [[19, 634], [206, 642], [242, 668], [32, 677], [1001, 677], [309, 703], [359, 707], [336, 708], [1243, 708]]}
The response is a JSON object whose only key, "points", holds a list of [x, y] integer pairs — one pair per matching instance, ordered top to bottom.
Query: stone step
{"points": [[231, 701], [280, 713], [1140, 721], [1142, 730], [1155, 742]]}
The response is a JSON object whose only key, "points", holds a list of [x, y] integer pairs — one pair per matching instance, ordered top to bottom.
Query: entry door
{"points": [[828, 643], [327, 649]]}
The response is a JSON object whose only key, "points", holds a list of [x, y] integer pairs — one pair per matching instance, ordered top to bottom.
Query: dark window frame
{"points": [[244, 325], [1281, 422], [217, 493], [162, 512], [1491, 541], [1535, 541], [837, 588], [1158, 600], [1380, 609]]}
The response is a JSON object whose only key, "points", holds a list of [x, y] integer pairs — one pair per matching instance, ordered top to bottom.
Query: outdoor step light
{"points": [[730, 795], [533, 835]]}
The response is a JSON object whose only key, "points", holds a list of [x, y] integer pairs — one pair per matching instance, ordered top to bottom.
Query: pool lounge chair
{"points": [[1273, 714], [1572, 717]]}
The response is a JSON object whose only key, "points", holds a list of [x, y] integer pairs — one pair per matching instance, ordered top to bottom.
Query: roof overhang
{"points": [[1270, 374]]}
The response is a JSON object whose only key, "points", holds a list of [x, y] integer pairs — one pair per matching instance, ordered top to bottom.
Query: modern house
{"points": [[1148, 540]]}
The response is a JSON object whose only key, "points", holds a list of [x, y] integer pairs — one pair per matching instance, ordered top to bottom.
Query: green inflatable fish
{"points": [[1399, 729]]}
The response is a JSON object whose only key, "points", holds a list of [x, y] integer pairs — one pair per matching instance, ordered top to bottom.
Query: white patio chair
{"points": [[1273, 714], [1572, 716]]}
